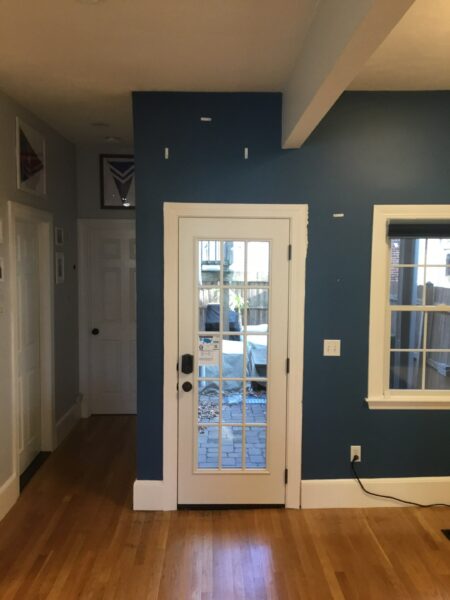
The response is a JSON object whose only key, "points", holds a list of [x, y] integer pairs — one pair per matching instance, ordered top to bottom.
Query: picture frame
{"points": [[30, 159], [117, 181], [59, 236], [59, 267]]}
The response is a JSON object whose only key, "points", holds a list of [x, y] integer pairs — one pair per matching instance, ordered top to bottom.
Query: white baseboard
{"points": [[85, 408], [68, 421], [9, 493], [346, 493], [151, 495]]}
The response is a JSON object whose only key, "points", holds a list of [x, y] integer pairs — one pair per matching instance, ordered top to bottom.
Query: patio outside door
{"points": [[233, 321]]}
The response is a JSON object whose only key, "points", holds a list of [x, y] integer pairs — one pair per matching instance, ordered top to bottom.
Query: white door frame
{"points": [[44, 220], [85, 227], [163, 495]]}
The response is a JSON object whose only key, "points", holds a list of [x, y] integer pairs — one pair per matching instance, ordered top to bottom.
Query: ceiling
{"points": [[415, 55], [75, 64]]}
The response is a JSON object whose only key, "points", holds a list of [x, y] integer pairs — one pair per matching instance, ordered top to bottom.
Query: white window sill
{"points": [[409, 402]]}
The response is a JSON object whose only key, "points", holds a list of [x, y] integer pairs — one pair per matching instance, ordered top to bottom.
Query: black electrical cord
{"points": [[355, 474]]}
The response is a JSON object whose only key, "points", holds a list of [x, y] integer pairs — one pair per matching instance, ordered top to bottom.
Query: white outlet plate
{"points": [[331, 347], [355, 451]]}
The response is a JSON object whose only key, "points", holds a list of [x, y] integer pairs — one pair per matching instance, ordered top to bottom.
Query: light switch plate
{"points": [[331, 347]]}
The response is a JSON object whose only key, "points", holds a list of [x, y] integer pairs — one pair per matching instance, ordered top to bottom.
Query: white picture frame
{"points": [[31, 166], [59, 236], [59, 268]]}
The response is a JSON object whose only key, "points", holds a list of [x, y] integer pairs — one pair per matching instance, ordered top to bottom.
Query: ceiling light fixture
{"points": [[112, 139]]}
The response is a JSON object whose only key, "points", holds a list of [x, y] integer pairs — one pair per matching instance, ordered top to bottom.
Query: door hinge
{"points": [[290, 252], [288, 365], [285, 476]]}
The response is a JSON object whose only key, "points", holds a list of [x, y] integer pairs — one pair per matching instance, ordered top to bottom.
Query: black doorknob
{"points": [[95, 331], [187, 386]]}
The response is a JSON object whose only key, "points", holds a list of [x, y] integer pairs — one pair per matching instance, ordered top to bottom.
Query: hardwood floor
{"points": [[73, 535]]}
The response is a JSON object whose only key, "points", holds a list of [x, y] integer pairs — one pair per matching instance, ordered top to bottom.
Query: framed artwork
{"points": [[30, 159], [117, 186], [59, 236], [59, 267]]}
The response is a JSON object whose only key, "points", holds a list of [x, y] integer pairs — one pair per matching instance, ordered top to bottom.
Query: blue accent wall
{"points": [[371, 148]]}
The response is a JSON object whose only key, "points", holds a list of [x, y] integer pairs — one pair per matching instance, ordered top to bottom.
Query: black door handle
{"points": [[95, 331], [187, 364], [187, 386]]}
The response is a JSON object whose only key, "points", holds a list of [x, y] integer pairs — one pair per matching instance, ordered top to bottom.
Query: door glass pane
{"points": [[209, 262], [233, 262], [257, 262], [406, 285], [437, 288], [209, 309], [233, 310], [257, 310], [407, 329], [438, 330], [208, 356], [257, 356], [232, 357], [406, 370], [437, 372], [208, 401], [232, 401], [256, 402], [208, 447], [231, 447], [255, 447]]}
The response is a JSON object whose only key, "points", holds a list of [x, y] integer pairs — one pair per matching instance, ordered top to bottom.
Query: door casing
{"points": [[44, 222], [162, 495]]}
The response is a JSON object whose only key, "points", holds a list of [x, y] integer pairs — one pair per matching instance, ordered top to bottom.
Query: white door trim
{"points": [[85, 227], [46, 286], [157, 495]]}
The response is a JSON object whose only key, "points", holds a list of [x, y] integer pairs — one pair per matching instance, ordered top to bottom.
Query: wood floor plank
{"points": [[73, 535]]}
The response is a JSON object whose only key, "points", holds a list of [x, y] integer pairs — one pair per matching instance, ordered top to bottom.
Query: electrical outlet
{"points": [[331, 347], [355, 451]]}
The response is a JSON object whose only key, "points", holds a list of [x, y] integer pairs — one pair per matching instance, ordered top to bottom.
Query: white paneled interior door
{"points": [[112, 318], [233, 327], [28, 341]]}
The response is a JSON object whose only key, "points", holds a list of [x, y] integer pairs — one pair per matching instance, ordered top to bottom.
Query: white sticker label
{"points": [[208, 351]]}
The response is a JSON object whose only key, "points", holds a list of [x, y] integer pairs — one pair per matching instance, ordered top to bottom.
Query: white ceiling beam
{"points": [[342, 36]]}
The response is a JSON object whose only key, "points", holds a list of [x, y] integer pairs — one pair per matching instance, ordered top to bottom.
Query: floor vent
{"points": [[446, 532]]}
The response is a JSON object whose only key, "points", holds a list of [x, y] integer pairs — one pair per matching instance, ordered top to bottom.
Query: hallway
{"points": [[72, 534]]}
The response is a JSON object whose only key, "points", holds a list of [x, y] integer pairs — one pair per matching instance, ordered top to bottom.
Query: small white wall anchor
{"points": [[205, 119], [166, 153], [245, 153]]}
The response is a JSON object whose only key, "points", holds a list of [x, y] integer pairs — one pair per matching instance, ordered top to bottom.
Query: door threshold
{"points": [[227, 506]]}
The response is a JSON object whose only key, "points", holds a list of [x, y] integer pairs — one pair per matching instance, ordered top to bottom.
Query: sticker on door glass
{"points": [[208, 350]]}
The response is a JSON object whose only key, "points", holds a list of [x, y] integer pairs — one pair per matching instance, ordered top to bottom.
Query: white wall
{"points": [[61, 201]]}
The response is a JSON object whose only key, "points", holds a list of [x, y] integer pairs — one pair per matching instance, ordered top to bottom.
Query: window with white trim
{"points": [[409, 339]]}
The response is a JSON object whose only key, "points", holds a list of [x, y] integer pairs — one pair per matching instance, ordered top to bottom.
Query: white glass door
{"points": [[233, 319]]}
